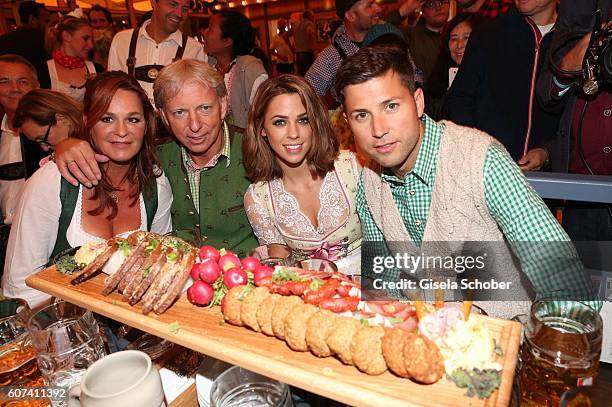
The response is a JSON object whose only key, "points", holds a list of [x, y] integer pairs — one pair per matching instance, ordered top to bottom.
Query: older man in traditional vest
{"points": [[203, 163], [435, 186]]}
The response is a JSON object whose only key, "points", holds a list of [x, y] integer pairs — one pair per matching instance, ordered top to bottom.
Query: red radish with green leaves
{"points": [[209, 252], [229, 261], [250, 263], [208, 271], [235, 276], [200, 293]]}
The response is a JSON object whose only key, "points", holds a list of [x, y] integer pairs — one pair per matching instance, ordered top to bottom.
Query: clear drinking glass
{"points": [[66, 340], [238, 387]]}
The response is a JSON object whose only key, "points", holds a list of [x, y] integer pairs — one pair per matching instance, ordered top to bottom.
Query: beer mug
{"points": [[66, 339], [560, 350], [18, 365]]}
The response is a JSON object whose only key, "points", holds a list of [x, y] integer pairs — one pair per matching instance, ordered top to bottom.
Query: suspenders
{"points": [[148, 73]]}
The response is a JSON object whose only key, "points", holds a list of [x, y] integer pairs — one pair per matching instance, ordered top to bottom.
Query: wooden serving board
{"points": [[203, 330]]}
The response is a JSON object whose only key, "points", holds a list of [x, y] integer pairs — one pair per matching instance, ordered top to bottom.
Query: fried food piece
{"points": [[232, 303], [250, 304], [281, 309], [264, 313], [295, 326], [318, 327], [339, 340], [367, 350], [393, 350], [422, 359]]}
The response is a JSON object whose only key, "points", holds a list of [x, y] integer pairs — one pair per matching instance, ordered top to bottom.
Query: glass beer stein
{"points": [[560, 350], [18, 367]]}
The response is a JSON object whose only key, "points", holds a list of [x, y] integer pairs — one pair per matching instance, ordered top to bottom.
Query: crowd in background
{"points": [[488, 68]]}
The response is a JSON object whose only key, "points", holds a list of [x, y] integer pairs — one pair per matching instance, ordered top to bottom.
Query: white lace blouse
{"points": [[276, 218], [35, 225]]}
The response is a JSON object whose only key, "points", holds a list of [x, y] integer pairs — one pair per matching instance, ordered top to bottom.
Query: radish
{"points": [[225, 251], [209, 252], [229, 261], [250, 263], [208, 271], [195, 272], [261, 273], [235, 276], [200, 293]]}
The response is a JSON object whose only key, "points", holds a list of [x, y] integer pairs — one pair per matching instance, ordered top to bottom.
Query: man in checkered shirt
{"points": [[357, 16], [435, 182]]}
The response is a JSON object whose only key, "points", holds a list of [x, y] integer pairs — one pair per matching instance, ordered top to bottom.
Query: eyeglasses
{"points": [[435, 3], [43, 140]]}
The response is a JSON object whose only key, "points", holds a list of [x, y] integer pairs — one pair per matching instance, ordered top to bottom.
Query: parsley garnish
{"points": [[125, 247], [67, 265], [174, 327], [480, 383]]}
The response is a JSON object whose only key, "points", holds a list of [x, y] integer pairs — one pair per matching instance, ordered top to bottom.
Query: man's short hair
{"points": [[342, 6], [29, 8], [107, 14], [17, 59], [374, 62], [172, 78]]}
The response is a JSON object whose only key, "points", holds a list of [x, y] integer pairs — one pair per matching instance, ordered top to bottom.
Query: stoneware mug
{"points": [[126, 378]]}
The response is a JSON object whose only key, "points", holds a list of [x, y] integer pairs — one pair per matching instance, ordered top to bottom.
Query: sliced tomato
{"points": [[405, 314], [408, 325]]}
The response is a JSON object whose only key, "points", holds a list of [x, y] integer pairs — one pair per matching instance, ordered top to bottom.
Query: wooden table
{"points": [[203, 330]]}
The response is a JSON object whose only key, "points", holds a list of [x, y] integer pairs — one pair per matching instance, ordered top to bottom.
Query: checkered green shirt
{"points": [[194, 171], [518, 210]]}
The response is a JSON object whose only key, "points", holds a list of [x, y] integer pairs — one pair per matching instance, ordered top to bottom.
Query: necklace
{"points": [[114, 197]]}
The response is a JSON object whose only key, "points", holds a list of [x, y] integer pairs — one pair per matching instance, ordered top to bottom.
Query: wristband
{"points": [[564, 87]]}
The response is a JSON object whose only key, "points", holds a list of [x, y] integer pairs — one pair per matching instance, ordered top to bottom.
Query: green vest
{"points": [[69, 194], [222, 220]]}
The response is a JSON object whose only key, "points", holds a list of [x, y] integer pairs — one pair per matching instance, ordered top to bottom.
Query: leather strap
{"points": [[181, 50], [131, 61], [146, 74], [12, 171]]}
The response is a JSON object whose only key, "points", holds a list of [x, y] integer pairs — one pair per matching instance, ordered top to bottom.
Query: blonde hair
{"points": [[53, 36], [172, 78], [41, 106]]}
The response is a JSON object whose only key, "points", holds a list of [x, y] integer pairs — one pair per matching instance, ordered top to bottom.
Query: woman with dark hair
{"points": [[455, 38], [230, 39], [69, 42], [303, 188], [133, 194]]}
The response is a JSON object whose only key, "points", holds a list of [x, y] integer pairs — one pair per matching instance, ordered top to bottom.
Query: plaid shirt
{"points": [[493, 8], [322, 73], [194, 170], [518, 210]]}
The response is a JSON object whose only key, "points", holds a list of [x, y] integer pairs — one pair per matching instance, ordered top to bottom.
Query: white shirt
{"points": [[545, 29], [149, 52], [67, 89], [10, 152], [34, 230]]}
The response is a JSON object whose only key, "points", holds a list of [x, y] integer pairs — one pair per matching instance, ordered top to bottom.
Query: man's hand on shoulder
{"points": [[534, 160], [78, 163]]}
